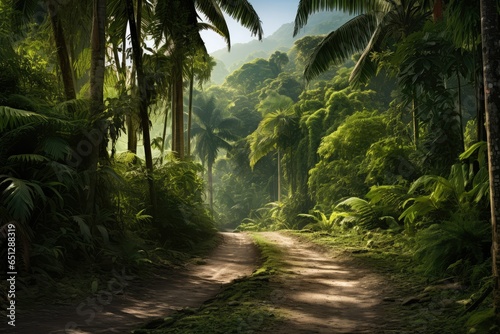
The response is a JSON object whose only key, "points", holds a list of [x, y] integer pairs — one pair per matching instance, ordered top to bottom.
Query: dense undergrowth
{"points": [[57, 240]]}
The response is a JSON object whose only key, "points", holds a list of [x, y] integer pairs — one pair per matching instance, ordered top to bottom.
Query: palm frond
{"points": [[308, 7], [212, 11], [243, 12], [340, 44], [366, 67], [11, 118], [56, 148], [27, 158], [19, 197], [362, 212], [84, 227]]}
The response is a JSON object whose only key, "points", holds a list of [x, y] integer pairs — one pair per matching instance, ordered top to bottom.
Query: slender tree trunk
{"points": [[437, 12], [62, 52], [97, 67], [491, 74], [174, 102], [143, 104], [178, 111], [460, 111], [190, 112], [415, 120], [164, 134], [279, 175], [210, 188]]}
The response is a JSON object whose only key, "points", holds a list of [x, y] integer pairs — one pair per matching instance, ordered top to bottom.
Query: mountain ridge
{"points": [[281, 40]]}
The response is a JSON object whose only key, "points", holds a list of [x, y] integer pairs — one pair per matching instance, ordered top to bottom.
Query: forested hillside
{"points": [[281, 40], [119, 149]]}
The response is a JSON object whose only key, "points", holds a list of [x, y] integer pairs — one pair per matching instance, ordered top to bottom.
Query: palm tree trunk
{"points": [[438, 10], [62, 53], [97, 67], [491, 74], [172, 97], [143, 108], [178, 111], [460, 111], [190, 112], [480, 112], [415, 120], [164, 134], [279, 175], [210, 188]]}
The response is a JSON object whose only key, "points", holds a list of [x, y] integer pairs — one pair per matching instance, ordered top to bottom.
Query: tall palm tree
{"points": [[377, 24], [183, 32], [491, 54], [97, 68], [200, 69], [143, 99], [277, 132], [212, 133]]}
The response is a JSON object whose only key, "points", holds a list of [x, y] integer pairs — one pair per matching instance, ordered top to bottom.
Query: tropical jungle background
{"points": [[123, 142]]}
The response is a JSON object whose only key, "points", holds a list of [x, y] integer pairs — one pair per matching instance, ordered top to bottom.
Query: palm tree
{"points": [[377, 24], [183, 32], [491, 54], [97, 67], [201, 70], [143, 104], [278, 131], [212, 132]]}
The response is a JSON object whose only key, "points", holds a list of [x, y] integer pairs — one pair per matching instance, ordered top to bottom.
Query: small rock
{"points": [[233, 303]]}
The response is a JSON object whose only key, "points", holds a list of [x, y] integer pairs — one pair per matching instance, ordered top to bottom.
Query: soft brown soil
{"points": [[319, 292], [326, 293], [112, 311]]}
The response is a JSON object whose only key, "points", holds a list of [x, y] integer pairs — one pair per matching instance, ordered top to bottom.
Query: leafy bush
{"points": [[454, 246]]}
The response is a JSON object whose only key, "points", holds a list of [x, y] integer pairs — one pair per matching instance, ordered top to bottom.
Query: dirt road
{"points": [[317, 293], [322, 293], [114, 311]]}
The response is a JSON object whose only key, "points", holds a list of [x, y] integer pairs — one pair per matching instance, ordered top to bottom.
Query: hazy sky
{"points": [[272, 13]]}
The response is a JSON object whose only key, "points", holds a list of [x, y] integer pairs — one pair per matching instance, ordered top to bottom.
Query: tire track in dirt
{"points": [[169, 291]]}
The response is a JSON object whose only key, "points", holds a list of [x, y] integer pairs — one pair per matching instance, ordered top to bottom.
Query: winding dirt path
{"points": [[318, 293], [326, 293], [115, 311]]}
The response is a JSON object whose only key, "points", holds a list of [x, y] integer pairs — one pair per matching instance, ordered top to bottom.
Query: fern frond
{"points": [[11, 118], [27, 158], [19, 196]]}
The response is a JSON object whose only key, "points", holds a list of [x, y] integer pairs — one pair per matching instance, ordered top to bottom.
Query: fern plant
{"points": [[436, 198], [322, 222], [454, 246]]}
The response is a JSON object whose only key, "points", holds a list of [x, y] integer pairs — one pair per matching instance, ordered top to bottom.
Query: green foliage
{"points": [[250, 77], [337, 174], [437, 197], [183, 220], [321, 222], [455, 246]]}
